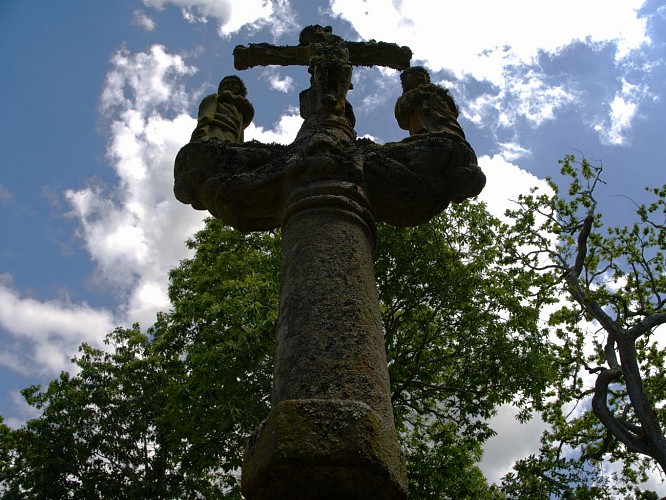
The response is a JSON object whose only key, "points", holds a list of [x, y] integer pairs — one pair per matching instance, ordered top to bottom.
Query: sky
{"points": [[98, 97]]}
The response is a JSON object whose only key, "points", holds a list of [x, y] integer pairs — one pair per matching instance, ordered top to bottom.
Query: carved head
{"points": [[413, 77], [233, 84]]}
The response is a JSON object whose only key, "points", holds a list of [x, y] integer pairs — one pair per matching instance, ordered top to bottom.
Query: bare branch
{"points": [[574, 286], [649, 322]]}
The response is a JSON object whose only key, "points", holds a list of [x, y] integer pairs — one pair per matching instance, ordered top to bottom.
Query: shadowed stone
{"points": [[330, 432]]}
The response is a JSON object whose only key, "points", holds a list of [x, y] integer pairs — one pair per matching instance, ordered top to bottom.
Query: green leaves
{"points": [[463, 337], [606, 402], [167, 413]]}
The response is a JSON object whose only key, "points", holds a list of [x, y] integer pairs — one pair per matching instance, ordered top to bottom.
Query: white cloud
{"points": [[197, 10], [276, 14], [142, 19], [481, 37], [499, 43], [145, 81], [277, 82], [377, 86], [523, 95], [622, 111], [620, 117], [284, 130], [512, 151], [505, 182], [5, 194], [135, 231], [46, 335], [22, 411], [512, 442]]}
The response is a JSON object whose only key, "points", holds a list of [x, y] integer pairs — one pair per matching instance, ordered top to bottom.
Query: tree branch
{"points": [[574, 286], [649, 322], [640, 402], [603, 413]]}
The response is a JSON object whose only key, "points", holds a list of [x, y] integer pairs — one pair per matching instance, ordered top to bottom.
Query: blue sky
{"points": [[99, 96]]}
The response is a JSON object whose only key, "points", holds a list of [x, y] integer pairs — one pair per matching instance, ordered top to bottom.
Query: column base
{"points": [[323, 449]]}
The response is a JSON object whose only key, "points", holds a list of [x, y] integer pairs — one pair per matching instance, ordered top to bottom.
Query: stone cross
{"points": [[330, 432]]}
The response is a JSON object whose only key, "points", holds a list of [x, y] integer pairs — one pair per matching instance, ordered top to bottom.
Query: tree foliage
{"points": [[463, 338], [607, 401], [167, 413], [98, 434]]}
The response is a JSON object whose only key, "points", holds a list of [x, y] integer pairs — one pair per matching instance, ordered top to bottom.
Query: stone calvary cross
{"points": [[330, 432]]}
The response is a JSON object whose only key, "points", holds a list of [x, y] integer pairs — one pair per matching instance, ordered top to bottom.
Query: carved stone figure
{"points": [[425, 107], [226, 114], [330, 432]]}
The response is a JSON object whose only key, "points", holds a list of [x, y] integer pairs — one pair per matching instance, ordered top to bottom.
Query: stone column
{"points": [[330, 433]]}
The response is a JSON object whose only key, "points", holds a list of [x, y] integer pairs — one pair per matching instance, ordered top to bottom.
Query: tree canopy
{"points": [[606, 403], [166, 413]]}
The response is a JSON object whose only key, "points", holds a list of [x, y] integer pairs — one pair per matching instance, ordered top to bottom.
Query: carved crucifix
{"points": [[330, 432]]}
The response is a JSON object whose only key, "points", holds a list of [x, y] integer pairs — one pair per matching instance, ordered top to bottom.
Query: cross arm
{"points": [[374, 53], [265, 54], [360, 54]]}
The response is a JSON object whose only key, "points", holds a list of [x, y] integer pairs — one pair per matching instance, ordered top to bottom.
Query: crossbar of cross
{"points": [[370, 53]]}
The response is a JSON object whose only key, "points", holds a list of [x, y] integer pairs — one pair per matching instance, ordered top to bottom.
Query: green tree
{"points": [[463, 338], [607, 402], [167, 414], [99, 433], [6, 449]]}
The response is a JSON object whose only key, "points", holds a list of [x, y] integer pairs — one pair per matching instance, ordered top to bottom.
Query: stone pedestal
{"points": [[330, 433], [318, 449]]}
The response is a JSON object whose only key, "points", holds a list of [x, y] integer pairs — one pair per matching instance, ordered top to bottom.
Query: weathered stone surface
{"points": [[370, 53], [426, 107], [226, 114], [411, 181], [407, 182], [240, 184], [330, 433], [324, 450]]}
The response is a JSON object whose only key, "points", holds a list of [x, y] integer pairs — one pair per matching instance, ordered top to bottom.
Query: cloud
{"points": [[254, 14], [142, 19], [479, 37], [503, 50], [145, 81], [278, 83], [378, 86], [524, 95], [622, 110], [284, 130], [512, 151], [505, 182], [5, 194], [135, 231], [46, 335], [22, 411], [512, 442]]}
